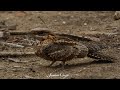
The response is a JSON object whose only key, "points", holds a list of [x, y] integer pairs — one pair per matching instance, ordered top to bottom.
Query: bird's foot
{"points": [[51, 64]]}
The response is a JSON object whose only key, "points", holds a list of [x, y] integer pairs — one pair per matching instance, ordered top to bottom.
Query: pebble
{"points": [[72, 16], [55, 20], [64, 22], [85, 24], [118, 48]]}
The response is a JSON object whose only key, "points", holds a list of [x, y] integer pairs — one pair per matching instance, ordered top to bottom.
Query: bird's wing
{"points": [[65, 42], [94, 47], [58, 51], [61, 54]]}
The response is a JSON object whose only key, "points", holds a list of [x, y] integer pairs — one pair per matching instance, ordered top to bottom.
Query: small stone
{"points": [[72, 16], [64, 22], [85, 24], [118, 48], [84, 68]]}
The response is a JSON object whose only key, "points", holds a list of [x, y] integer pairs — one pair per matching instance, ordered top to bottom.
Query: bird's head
{"points": [[48, 38], [45, 39]]}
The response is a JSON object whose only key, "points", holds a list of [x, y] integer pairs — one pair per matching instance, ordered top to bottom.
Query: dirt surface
{"points": [[91, 23]]}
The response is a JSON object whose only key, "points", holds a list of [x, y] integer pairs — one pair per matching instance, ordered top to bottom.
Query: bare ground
{"points": [[92, 23]]}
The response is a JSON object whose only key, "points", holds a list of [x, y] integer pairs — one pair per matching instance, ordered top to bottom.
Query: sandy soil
{"points": [[70, 22]]}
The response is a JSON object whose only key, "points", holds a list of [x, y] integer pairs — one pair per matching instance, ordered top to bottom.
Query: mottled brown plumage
{"points": [[64, 47], [56, 49]]}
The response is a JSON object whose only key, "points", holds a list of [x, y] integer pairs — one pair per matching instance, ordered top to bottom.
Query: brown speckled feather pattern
{"points": [[65, 47], [94, 48], [57, 49], [62, 51]]}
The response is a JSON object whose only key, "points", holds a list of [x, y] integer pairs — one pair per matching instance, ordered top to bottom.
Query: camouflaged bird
{"points": [[64, 47], [55, 49]]}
